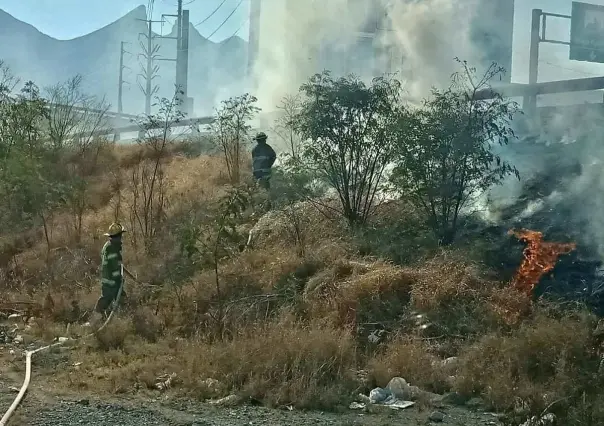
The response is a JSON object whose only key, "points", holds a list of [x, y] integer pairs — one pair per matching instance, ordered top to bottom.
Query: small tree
{"points": [[8, 81], [74, 116], [22, 120], [73, 123], [285, 125], [346, 127], [230, 130], [446, 149], [148, 178], [29, 183], [217, 239]]}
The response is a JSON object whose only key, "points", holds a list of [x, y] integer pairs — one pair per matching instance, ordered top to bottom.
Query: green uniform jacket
{"points": [[111, 264]]}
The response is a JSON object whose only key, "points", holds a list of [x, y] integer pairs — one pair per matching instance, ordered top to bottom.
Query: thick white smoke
{"points": [[430, 34], [425, 37], [290, 38]]}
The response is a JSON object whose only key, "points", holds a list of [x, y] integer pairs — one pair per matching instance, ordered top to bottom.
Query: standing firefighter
{"points": [[263, 158], [112, 269]]}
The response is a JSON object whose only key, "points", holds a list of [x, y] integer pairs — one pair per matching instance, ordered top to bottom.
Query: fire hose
{"points": [[28, 355]]}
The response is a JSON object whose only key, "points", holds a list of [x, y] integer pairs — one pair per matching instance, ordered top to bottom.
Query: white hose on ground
{"points": [[28, 355]]}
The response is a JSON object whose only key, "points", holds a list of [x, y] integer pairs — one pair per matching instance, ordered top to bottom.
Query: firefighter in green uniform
{"points": [[112, 269]]}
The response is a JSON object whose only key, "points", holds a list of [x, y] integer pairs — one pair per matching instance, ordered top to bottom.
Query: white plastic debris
{"points": [[15, 316], [375, 336], [62, 339], [452, 360], [165, 381], [213, 385], [381, 396], [226, 401], [400, 405], [356, 406], [547, 420]]}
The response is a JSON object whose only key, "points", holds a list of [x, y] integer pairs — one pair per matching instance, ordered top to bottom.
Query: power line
{"points": [[184, 4], [211, 14], [226, 19], [239, 29]]}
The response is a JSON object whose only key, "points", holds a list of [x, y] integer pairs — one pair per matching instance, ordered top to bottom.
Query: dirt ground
{"points": [[44, 405], [42, 409]]}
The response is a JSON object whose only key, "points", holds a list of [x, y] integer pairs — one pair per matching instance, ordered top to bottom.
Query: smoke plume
{"points": [[430, 35], [298, 39]]}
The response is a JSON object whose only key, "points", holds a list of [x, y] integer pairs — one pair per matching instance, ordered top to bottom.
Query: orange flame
{"points": [[539, 258]]}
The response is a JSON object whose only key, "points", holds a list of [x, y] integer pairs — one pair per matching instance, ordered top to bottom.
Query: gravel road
{"points": [[85, 412], [98, 414]]}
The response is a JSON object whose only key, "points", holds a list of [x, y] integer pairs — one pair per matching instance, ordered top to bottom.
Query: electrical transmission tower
{"points": [[149, 70], [120, 92]]}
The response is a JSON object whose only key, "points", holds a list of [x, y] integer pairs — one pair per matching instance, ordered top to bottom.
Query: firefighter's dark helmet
{"points": [[260, 136]]}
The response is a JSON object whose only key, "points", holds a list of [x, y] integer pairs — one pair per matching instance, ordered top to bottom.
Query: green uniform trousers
{"points": [[108, 295]]}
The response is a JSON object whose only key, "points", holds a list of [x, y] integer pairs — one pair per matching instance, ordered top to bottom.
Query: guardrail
{"points": [[546, 88], [187, 122]]}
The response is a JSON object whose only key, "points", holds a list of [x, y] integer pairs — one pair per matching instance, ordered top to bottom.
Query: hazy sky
{"points": [[66, 19]]}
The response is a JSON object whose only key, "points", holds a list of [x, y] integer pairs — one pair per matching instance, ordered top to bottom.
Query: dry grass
{"points": [[350, 292], [460, 299], [290, 321], [113, 336], [412, 359], [541, 362], [308, 366]]}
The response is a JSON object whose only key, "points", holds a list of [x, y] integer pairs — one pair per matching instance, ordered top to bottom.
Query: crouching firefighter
{"points": [[263, 158], [112, 269]]}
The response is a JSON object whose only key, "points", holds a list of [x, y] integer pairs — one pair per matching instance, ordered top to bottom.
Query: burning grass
{"points": [[540, 257]]}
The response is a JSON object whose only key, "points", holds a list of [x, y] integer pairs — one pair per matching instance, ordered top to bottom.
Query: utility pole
{"points": [[178, 35], [254, 42], [182, 56], [149, 71], [178, 83], [120, 90], [530, 102], [186, 106]]}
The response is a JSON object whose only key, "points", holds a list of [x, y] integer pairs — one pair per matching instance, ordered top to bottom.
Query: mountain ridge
{"points": [[216, 69]]}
